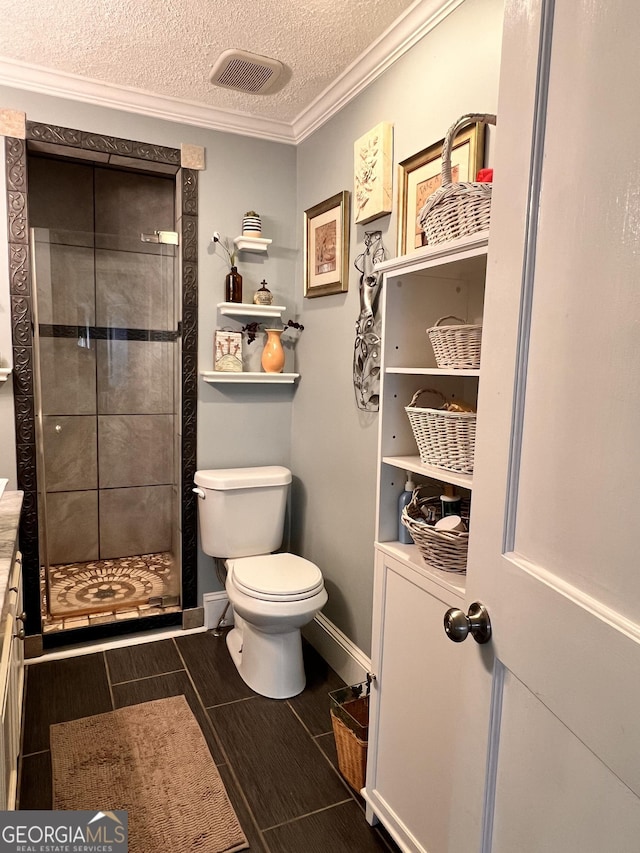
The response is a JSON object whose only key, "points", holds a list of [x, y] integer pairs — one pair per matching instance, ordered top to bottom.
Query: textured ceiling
{"points": [[167, 47]]}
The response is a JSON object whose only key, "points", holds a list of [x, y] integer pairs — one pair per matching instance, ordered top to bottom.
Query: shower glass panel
{"points": [[107, 354]]}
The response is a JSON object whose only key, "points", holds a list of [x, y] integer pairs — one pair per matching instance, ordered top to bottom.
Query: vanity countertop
{"points": [[10, 506]]}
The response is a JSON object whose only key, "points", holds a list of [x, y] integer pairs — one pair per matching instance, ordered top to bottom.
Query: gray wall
{"points": [[452, 71], [235, 427], [317, 430]]}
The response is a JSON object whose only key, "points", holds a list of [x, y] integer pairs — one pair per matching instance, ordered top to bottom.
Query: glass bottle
{"points": [[233, 286]]}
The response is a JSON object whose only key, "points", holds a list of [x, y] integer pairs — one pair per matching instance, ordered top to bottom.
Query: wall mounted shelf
{"points": [[252, 244], [248, 309], [4, 373], [218, 377]]}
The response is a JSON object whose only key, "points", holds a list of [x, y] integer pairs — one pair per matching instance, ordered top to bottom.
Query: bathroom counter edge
{"points": [[10, 508]]}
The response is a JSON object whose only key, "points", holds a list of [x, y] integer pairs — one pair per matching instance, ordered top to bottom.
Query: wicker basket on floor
{"points": [[457, 209], [456, 347], [445, 439], [440, 549], [350, 723]]}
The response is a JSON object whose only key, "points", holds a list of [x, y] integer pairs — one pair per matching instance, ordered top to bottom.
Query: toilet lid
{"points": [[276, 576]]}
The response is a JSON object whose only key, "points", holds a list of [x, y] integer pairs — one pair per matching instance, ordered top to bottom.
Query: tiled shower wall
{"points": [[107, 317]]}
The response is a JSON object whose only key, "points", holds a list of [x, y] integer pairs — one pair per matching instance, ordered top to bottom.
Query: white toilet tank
{"points": [[242, 512]]}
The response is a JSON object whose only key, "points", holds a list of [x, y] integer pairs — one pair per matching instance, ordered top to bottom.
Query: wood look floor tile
{"points": [[141, 661], [213, 672], [162, 687], [62, 690], [312, 705], [280, 768], [35, 782], [340, 829], [254, 836]]}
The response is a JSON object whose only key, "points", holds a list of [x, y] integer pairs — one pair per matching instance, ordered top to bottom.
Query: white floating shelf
{"points": [[252, 244], [248, 309], [433, 371], [5, 372], [216, 377], [413, 463]]}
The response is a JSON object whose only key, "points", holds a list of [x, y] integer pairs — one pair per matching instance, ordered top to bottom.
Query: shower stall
{"points": [[106, 310]]}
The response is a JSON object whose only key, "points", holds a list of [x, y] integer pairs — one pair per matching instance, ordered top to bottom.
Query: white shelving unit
{"points": [[412, 732]]}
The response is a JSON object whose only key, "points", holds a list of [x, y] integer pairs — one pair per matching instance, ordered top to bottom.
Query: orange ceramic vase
{"points": [[273, 354]]}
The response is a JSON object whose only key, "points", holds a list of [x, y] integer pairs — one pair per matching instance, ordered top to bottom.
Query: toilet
{"points": [[242, 512]]}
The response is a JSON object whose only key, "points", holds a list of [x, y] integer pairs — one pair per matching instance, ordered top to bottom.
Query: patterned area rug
{"points": [[106, 585], [151, 760]]}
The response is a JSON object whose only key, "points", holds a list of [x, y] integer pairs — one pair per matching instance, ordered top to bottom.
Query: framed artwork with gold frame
{"points": [[421, 175], [326, 246]]}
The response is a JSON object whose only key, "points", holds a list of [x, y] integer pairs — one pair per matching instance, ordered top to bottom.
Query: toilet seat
{"points": [[276, 577]]}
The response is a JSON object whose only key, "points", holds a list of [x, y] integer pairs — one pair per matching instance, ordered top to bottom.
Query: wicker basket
{"points": [[456, 209], [456, 347], [445, 439], [440, 549], [350, 722]]}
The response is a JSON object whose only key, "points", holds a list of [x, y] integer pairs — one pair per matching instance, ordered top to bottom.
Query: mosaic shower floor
{"points": [[104, 591]]}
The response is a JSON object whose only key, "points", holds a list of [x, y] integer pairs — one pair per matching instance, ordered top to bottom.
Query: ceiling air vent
{"points": [[246, 72]]}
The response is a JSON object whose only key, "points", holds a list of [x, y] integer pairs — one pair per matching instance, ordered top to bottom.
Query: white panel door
{"points": [[549, 759]]}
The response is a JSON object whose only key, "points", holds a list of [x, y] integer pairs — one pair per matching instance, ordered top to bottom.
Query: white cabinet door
{"points": [[413, 707], [551, 758]]}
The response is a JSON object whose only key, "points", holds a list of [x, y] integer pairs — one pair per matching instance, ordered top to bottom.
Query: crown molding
{"points": [[419, 19], [34, 78]]}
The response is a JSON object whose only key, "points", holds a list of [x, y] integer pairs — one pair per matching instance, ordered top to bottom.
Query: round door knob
{"points": [[459, 625], [20, 634]]}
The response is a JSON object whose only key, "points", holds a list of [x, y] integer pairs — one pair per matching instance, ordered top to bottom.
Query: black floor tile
{"points": [[143, 660], [213, 672], [161, 687], [63, 690], [312, 705], [279, 767], [35, 782], [340, 829], [254, 836]]}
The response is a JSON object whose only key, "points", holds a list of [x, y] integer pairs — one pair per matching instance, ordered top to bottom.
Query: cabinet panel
{"points": [[414, 702]]}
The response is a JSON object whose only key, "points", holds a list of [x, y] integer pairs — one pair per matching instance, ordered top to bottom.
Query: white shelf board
{"points": [[252, 244], [439, 254], [248, 309], [432, 371], [5, 372], [219, 377], [413, 463], [452, 581]]}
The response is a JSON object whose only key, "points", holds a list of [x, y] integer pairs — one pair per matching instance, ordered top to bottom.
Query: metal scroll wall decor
{"points": [[366, 353]]}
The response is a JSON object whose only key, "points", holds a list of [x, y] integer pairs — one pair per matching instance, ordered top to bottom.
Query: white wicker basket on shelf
{"points": [[457, 209], [456, 347], [445, 439], [440, 549]]}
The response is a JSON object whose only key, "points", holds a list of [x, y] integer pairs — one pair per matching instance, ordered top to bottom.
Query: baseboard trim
{"points": [[214, 604], [342, 655]]}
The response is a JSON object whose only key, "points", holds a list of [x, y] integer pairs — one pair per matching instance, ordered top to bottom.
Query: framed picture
{"points": [[373, 174], [421, 175], [326, 246]]}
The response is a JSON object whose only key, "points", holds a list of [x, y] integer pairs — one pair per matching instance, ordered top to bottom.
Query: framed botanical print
{"points": [[421, 175], [326, 246]]}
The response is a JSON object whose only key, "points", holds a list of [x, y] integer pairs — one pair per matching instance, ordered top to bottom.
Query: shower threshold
{"points": [[98, 592]]}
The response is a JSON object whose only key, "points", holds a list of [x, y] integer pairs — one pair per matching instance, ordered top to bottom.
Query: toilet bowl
{"points": [[273, 595]]}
